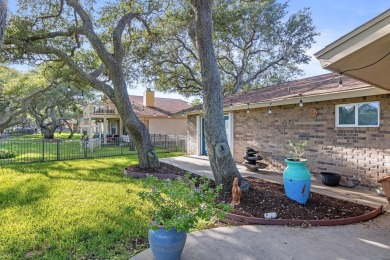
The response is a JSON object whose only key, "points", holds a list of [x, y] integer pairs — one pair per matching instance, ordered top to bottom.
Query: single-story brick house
{"points": [[347, 127]]}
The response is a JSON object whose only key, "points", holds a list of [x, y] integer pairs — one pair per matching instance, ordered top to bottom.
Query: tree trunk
{"points": [[3, 20], [48, 133], [139, 133], [221, 160]]}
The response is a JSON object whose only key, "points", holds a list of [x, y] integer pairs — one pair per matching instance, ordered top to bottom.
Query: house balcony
{"points": [[100, 111]]}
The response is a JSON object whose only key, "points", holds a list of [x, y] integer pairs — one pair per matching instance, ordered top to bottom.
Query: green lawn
{"points": [[80, 209]]}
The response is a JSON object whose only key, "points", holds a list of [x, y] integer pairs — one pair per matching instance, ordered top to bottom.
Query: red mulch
{"points": [[264, 196]]}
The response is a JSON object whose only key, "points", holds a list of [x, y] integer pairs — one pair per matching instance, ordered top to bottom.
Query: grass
{"points": [[80, 209]]}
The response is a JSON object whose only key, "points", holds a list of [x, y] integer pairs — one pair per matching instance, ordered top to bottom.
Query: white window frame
{"points": [[356, 105], [114, 125]]}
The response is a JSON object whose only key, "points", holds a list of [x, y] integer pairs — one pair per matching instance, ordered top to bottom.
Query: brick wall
{"points": [[191, 135], [362, 152]]}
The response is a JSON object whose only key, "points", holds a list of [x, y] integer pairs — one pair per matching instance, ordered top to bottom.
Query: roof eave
{"points": [[359, 30], [351, 93]]}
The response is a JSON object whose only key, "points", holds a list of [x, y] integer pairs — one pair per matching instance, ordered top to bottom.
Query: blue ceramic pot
{"points": [[296, 180], [167, 245]]}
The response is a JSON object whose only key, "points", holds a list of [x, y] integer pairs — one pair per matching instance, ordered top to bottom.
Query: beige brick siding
{"points": [[191, 135], [362, 152]]}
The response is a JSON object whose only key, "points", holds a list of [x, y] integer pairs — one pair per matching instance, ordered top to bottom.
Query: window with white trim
{"points": [[358, 114]]}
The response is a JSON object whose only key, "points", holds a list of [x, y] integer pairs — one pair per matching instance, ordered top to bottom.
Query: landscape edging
{"points": [[234, 219]]}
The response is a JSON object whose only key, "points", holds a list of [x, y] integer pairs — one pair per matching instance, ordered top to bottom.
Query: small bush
{"points": [[5, 154]]}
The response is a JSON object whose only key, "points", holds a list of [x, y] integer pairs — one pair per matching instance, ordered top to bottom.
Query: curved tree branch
{"points": [[118, 31], [91, 35]]}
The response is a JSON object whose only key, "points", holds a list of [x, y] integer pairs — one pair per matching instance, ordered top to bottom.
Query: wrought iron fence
{"points": [[40, 150]]}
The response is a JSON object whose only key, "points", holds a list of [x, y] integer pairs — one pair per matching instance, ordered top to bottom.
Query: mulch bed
{"points": [[265, 196]]}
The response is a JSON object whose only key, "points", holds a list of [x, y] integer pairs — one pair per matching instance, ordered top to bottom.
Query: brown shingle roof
{"points": [[312, 86], [162, 106]]}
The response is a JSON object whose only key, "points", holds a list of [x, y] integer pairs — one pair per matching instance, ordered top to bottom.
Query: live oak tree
{"points": [[59, 30], [256, 45], [16, 95], [55, 108], [12, 112], [221, 160]]}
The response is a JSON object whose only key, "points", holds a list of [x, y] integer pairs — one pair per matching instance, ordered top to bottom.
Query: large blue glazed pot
{"points": [[296, 180], [167, 244]]}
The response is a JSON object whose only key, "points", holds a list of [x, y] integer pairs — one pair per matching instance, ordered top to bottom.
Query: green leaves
{"points": [[256, 43], [298, 149], [5, 154], [180, 203]]}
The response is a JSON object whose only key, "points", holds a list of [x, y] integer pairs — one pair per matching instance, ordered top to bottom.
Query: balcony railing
{"points": [[98, 111]]}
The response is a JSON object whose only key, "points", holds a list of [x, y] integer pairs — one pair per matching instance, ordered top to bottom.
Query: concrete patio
{"points": [[368, 240]]}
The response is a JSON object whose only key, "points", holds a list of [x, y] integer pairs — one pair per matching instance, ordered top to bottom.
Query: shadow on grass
{"points": [[102, 170], [24, 193]]}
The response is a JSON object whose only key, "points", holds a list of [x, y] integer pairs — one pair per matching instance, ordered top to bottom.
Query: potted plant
{"points": [[296, 176], [175, 207]]}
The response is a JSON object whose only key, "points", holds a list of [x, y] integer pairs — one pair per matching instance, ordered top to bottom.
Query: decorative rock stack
{"points": [[251, 159]]}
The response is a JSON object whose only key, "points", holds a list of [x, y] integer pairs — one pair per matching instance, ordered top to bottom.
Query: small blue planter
{"points": [[296, 180], [167, 245]]}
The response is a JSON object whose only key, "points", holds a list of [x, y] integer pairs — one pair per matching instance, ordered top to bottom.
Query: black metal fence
{"points": [[40, 150]]}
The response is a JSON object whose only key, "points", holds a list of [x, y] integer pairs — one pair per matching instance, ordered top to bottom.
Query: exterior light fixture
{"points": [[341, 81], [68, 88], [301, 102], [247, 108], [143, 109], [270, 109]]}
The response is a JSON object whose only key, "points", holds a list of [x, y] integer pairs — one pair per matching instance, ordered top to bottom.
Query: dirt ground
{"points": [[265, 196]]}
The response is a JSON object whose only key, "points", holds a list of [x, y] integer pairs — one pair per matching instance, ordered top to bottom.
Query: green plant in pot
{"points": [[296, 176], [175, 207]]}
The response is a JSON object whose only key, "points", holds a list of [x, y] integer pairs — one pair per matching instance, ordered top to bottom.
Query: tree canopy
{"points": [[93, 41], [256, 44], [17, 92], [44, 93]]}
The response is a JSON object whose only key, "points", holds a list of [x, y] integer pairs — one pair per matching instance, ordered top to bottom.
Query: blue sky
{"points": [[333, 19]]}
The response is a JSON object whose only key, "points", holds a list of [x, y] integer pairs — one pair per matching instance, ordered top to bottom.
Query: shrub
{"points": [[5, 154], [180, 204]]}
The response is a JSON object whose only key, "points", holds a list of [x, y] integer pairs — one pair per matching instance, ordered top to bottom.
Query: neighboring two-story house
{"points": [[160, 115]]}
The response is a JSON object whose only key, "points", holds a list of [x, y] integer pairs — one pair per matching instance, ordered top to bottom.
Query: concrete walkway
{"points": [[368, 240]]}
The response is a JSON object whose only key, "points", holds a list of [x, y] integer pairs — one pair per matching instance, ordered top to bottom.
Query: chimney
{"points": [[148, 98]]}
